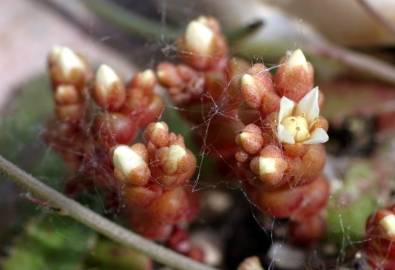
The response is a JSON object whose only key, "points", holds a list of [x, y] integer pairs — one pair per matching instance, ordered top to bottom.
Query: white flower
{"points": [[296, 121]]}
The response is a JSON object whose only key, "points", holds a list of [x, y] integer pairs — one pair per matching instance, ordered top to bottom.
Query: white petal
{"points": [[308, 105], [286, 108], [283, 135], [319, 135]]}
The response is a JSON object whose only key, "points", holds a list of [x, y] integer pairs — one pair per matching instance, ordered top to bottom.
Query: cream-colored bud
{"points": [[199, 37], [55, 52], [296, 59], [67, 61], [147, 75], [106, 77], [248, 81], [245, 136], [175, 154], [126, 160], [267, 165], [388, 225], [251, 263]]}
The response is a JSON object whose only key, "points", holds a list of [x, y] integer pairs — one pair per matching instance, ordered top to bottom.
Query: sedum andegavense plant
{"points": [[267, 127]]}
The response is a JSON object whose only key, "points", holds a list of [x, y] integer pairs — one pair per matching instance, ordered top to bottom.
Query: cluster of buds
{"points": [[69, 73], [205, 85], [125, 108], [115, 116], [268, 124], [281, 156], [154, 176], [149, 180], [380, 239]]}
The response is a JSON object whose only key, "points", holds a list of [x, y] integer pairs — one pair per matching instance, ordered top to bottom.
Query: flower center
{"points": [[297, 126]]}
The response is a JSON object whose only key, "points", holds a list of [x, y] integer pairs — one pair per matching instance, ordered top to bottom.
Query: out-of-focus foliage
{"points": [[350, 206], [36, 239], [53, 242]]}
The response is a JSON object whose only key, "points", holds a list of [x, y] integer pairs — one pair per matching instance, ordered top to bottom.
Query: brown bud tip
{"points": [[109, 91], [250, 139], [130, 165]]}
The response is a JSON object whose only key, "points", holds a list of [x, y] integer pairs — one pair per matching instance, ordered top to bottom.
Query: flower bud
{"points": [[199, 38], [202, 45], [66, 67], [168, 75], [294, 78], [144, 80], [257, 86], [108, 91], [157, 133], [250, 139], [171, 157], [130, 166], [269, 166], [387, 225], [251, 263]]}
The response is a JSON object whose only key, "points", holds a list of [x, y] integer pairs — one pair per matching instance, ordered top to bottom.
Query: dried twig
{"points": [[97, 222]]}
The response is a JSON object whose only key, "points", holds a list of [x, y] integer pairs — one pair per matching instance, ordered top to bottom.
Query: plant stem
{"points": [[131, 22], [239, 33], [359, 61], [97, 222]]}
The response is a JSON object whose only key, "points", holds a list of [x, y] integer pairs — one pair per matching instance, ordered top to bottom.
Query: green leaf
{"points": [[22, 123], [349, 208], [51, 242], [108, 255]]}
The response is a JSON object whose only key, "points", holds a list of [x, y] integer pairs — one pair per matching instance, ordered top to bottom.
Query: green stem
{"points": [[131, 22], [237, 34], [97, 222]]}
